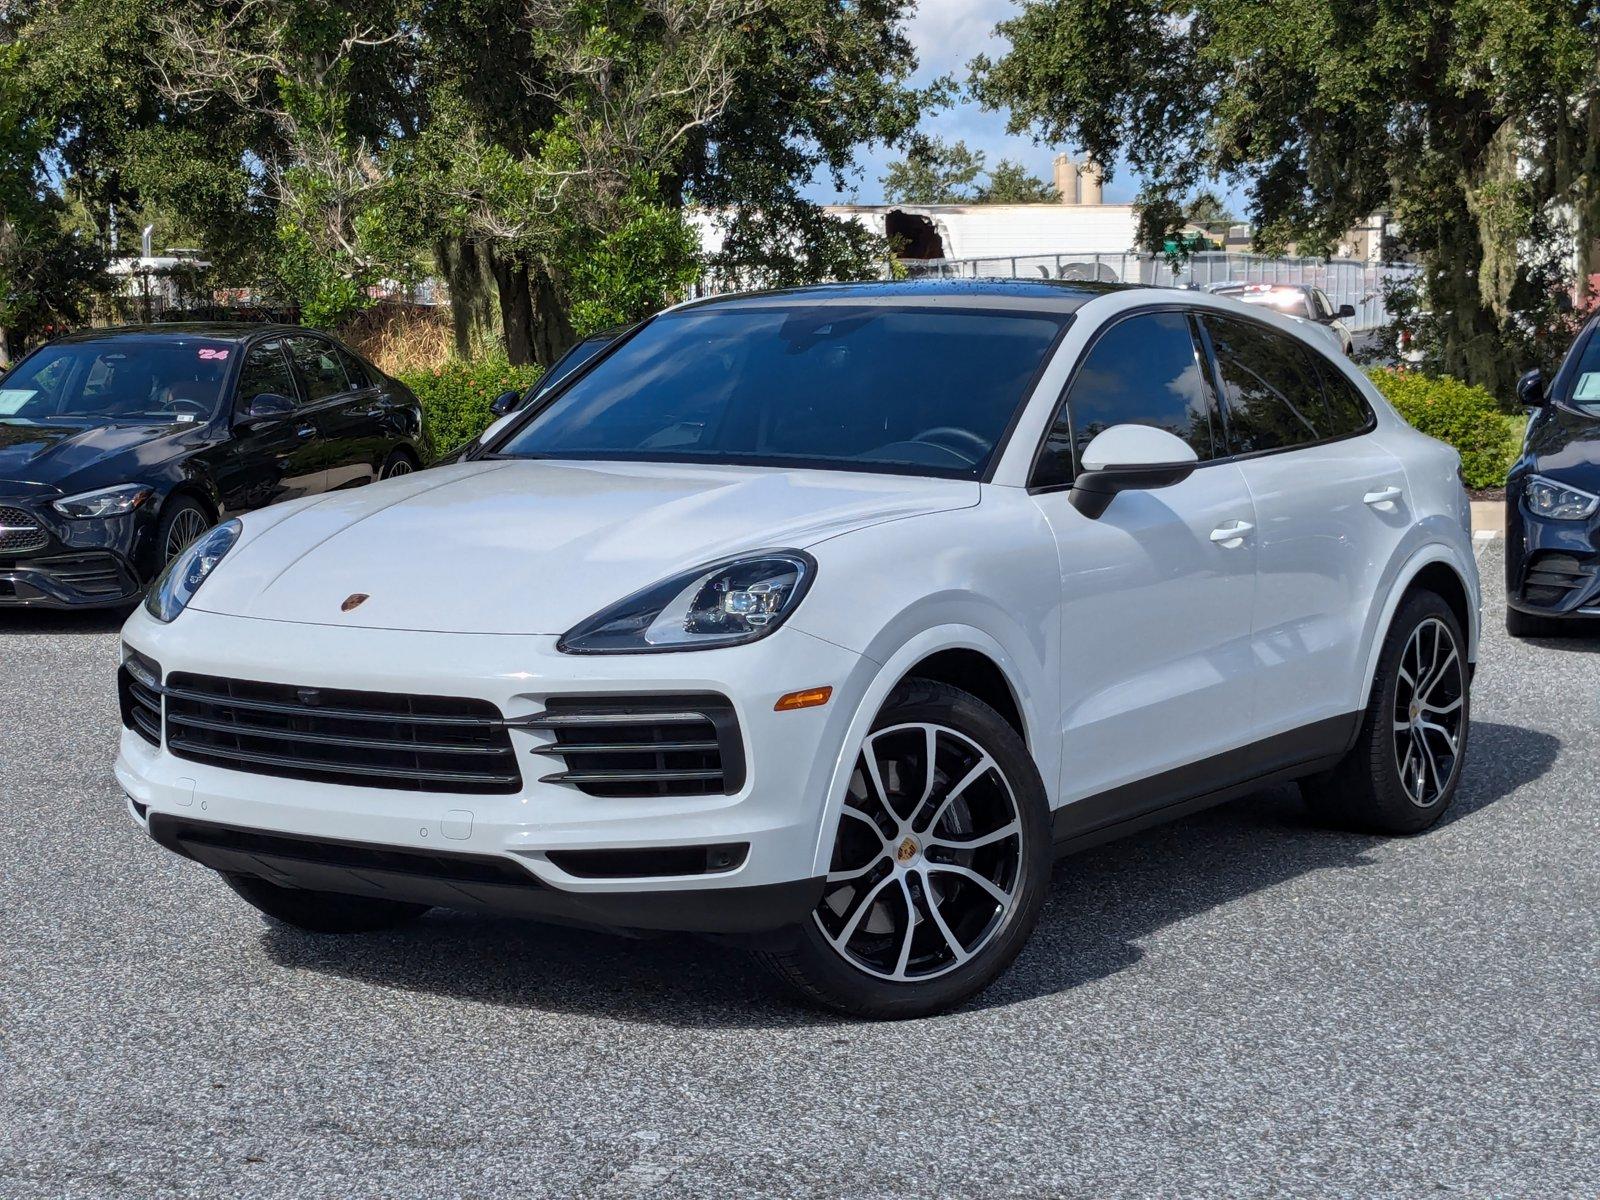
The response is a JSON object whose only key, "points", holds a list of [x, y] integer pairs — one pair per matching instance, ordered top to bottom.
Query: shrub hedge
{"points": [[456, 396], [1467, 417]]}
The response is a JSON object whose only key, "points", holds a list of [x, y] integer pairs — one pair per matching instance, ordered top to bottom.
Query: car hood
{"points": [[1566, 447], [51, 453], [534, 547]]}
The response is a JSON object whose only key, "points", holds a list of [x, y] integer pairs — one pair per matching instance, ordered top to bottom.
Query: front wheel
{"points": [[1403, 770], [940, 863]]}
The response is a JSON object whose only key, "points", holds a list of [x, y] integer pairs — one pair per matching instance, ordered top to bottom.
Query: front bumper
{"points": [[72, 563], [1552, 567], [791, 759]]}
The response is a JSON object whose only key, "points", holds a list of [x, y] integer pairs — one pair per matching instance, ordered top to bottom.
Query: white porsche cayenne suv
{"points": [[821, 620]]}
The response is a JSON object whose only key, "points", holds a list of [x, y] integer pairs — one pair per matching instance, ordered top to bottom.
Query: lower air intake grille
{"points": [[19, 532], [1550, 578], [139, 696], [331, 735], [635, 746]]}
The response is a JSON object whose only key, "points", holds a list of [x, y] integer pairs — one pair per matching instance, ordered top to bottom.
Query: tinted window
{"points": [[570, 362], [353, 369], [265, 370], [1142, 371], [320, 372], [127, 379], [1585, 388], [926, 390], [1273, 396], [1347, 411]]}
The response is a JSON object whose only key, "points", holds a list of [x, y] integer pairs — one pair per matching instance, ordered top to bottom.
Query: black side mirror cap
{"points": [[1345, 310], [1530, 389], [505, 402], [264, 407], [1093, 490]]}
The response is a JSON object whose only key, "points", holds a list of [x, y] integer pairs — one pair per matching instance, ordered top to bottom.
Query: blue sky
{"points": [[947, 35]]}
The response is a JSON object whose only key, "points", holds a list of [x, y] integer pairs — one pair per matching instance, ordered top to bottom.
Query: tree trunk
{"points": [[516, 308], [474, 315], [553, 334], [5, 349]]}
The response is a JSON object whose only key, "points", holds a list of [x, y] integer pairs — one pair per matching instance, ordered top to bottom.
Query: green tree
{"points": [[1473, 121], [935, 172], [1012, 183], [1207, 210], [48, 273]]}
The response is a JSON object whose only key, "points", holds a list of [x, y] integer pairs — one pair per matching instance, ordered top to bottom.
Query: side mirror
{"points": [[1345, 310], [1530, 389], [505, 402], [264, 407], [1129, 458]]}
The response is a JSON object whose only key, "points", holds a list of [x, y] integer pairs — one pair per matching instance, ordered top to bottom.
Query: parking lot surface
{"points": [[1240, 1004]]}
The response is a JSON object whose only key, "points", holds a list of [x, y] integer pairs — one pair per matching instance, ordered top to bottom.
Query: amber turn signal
{"points": [[809, 698]]}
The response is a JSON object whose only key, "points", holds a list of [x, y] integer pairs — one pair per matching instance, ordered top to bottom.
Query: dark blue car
{"points": [[120, 447], [1553, 501]]}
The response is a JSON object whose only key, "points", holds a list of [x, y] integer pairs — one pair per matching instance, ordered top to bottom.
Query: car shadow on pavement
{"points": [[63, 621], [1102, 904]]}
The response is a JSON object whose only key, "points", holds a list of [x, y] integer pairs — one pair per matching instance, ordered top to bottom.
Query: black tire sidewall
{"points": [[169, 517], [1391, 805], [832, 980]]}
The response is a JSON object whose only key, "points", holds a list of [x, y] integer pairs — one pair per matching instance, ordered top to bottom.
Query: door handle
{"points": [[306, 431], [1386, 495], [1232, 534]]}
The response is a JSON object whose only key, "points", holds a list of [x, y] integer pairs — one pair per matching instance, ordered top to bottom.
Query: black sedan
{"points": [[119, 447], [1553, 501]]}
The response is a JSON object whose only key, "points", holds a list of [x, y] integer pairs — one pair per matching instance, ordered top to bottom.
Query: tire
{"points": [[399, 462], [183, 521], [1526, 625], [1402, 772], [323, 912], [965, 932]]}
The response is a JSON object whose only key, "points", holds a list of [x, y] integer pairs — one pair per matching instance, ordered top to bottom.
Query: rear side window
{"points": [[318, 367], [1144, 370], [354, 371], [1271, 387], [1347, 411]]}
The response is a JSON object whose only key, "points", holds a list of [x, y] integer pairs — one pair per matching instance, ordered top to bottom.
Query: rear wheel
{"points": [[1403, 770], [940, 863], [323, 912]]}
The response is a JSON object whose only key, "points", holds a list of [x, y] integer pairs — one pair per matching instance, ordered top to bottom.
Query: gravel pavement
{"points": [[1237, 1005]]}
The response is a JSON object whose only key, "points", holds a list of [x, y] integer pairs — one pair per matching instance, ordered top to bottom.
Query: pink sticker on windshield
{"points": [[208, 352]]}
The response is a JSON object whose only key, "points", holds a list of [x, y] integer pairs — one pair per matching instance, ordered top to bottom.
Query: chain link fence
{"points": [[1346, 281]]}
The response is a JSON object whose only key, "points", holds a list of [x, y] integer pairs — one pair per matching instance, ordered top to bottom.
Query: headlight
{"points": [[1547, 498], [107, 502], [171, 592], [721, 604]]}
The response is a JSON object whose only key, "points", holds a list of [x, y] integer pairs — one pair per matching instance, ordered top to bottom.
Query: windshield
{"points": [[570, 362], [123, 379], [1586, 381], [926, 391]]}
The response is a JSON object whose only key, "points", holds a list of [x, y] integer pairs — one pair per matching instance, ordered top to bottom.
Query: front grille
{"points": [[19, 531], [90, 574], [1551, 577], [139, 696], [360, 739], [635, 746]]}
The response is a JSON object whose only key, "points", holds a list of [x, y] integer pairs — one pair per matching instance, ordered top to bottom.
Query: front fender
{"points": [[1028, 687]]}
